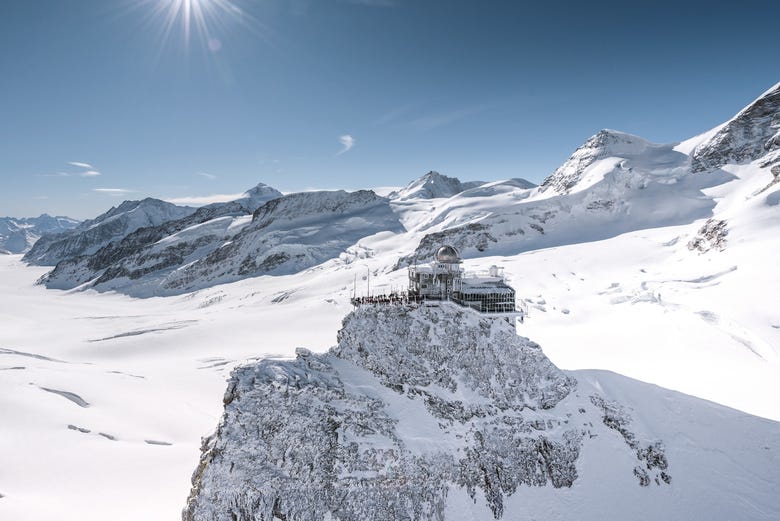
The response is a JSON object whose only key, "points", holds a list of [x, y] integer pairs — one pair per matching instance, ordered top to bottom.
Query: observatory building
{"points": [[444, 279]]}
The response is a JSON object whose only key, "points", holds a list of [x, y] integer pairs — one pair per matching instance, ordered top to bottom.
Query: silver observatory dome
{"points": [[448, 254]]}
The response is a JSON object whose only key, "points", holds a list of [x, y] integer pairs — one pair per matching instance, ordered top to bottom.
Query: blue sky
{"points": [[473, 89]]}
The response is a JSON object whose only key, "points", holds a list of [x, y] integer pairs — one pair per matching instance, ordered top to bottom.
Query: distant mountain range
{"points": [[612, 184], [17, 235]]}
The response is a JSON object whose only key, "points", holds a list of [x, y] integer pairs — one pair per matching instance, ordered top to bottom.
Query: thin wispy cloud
{"points": [[393, 115], [441, 119], [347, 142], [79, 164], [87, 170], [207, 175], [113, 191], [204, 199]]}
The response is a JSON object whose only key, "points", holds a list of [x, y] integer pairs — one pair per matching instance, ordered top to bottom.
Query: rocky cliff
{"points": [[751, 134], [415, 407]]}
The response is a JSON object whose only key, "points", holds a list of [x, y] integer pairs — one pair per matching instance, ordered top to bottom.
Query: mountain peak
{"points": [[607, 136], [604, 144], [433, 174], [433, 185], [257, 196]]}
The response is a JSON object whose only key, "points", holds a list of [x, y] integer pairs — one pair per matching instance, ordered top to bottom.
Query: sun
{"points": [[193, 19]]}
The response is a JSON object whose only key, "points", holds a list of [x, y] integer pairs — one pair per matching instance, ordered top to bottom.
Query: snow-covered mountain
{"points": [[598, 156], [613, 184], [433, 185], [17, 235], [89, 236], [220, 244], [655, 272], [432, 413]]}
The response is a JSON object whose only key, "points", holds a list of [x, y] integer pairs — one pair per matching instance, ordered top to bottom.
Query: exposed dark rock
{"points": [[752, 133], [711, 236]]}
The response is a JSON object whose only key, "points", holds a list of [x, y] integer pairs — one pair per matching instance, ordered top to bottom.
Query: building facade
{"points": [[444, 279]]}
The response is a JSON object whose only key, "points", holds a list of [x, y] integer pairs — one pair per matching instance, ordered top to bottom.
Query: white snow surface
{"points": [[605, 271]]}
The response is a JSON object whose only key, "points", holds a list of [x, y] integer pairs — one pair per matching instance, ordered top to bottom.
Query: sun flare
{"points": [[193, 19]]}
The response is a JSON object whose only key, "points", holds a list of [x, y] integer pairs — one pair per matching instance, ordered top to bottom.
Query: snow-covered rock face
{"points": [[749, 135], [576, 173], [433, 185], [19, 235], [90, 236], [221, 243], [446, 347], [415, 405]]}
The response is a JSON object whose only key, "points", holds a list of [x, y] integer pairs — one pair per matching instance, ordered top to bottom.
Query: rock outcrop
{"points": [[752, 133], [711, 236], [413, 404]]}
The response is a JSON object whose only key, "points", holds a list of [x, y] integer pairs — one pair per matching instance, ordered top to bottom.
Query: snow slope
{"points": [[148, 374]]}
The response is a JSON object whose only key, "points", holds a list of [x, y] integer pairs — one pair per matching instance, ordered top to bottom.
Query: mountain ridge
{"points": [[751, 133], [91, 235], [217, 245]]}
